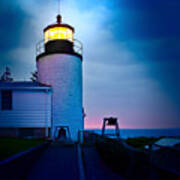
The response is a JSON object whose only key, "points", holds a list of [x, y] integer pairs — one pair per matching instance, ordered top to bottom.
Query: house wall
{"points": [[30, 109]]}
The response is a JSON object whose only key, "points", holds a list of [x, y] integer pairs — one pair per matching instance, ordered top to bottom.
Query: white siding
{"points": [[64, 73], [29, 109]]}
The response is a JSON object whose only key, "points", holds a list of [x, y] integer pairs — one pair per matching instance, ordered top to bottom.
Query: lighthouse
{"points": [[59, 65]]}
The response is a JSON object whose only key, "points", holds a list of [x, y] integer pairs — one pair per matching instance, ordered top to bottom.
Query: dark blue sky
{"points": [[131, 54]]}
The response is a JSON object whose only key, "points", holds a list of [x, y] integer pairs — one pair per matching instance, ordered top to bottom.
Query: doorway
{"points": [[62, 133]]}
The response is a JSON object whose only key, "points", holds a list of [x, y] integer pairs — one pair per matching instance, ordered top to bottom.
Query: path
{"points": [[57, 162], [61, 162], [95, 168]]}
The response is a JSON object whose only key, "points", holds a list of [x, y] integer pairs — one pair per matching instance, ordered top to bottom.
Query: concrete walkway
{"points": [[57, 162], [61, 162], [95, 169]]}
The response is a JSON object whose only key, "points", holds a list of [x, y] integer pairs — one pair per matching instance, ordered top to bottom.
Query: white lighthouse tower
{"points": [[59, 65]]}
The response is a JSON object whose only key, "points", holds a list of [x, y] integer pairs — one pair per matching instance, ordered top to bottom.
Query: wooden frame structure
{"points": [[111, 122]]}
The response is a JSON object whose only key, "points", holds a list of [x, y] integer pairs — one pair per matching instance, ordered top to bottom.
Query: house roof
{"points": [[29, 85], [168, 142]]}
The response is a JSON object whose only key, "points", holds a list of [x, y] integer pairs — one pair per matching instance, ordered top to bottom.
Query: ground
{"points": [[141, 142], [11, 146]]}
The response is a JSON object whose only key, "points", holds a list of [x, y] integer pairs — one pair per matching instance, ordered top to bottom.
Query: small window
{"points": [[6, 100]]}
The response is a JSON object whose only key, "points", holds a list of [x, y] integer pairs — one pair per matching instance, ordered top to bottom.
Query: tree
{"points": [[6, 76], [34, 76]]}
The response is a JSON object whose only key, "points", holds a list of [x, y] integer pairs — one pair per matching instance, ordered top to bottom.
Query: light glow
{"points": [[58, 33]]}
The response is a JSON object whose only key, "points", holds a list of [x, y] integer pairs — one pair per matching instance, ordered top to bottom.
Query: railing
{"points": [[77, 46], [40, 48]]}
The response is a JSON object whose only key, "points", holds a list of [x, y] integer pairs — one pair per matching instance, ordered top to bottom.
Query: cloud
{"points": [[139, 19], [11, 20]]}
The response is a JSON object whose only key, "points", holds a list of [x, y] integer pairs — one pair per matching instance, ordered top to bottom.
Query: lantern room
{"points": [[58, 31], [59, 38]]}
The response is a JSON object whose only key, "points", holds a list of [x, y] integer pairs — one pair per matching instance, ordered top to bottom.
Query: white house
{"points": [[25, 109]]}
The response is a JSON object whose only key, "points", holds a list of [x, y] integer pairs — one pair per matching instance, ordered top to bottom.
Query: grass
{"points": [[140, 142], [11, 146], [123, 159], [136, 163]]}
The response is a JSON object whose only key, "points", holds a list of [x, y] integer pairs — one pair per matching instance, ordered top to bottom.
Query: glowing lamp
{"points": [[58, 31]]}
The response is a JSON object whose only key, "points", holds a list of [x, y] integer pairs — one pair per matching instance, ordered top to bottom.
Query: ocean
{"points": [[131, 133]]}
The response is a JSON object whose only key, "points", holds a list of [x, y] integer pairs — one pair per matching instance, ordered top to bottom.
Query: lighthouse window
{"points": [[58, 33], [6, 100]]}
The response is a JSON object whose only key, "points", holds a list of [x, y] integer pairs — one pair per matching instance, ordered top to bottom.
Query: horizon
{"points": [[134, 128]]}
